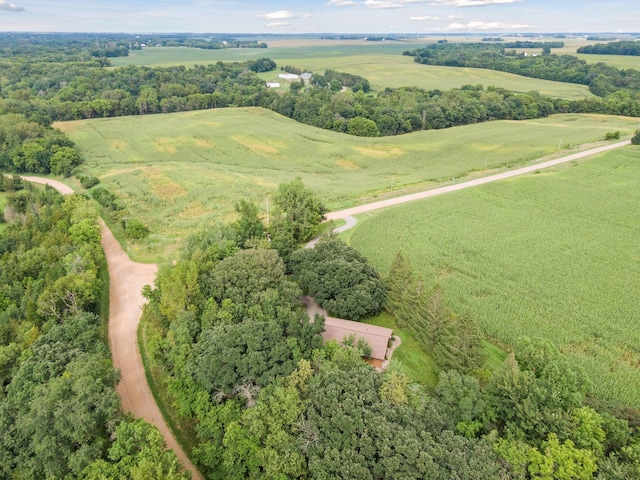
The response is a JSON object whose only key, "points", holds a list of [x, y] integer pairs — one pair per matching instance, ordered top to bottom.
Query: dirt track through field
{"points": [[125, 309]]}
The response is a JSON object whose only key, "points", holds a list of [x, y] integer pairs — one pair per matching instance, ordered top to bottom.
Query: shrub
{"points": [[612, 136], [636, 138], [89, 181], [107, 199], [135, 229]]}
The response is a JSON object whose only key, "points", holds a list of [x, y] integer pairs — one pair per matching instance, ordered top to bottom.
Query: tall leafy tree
{"points": [[297, 211], [339, 278]]}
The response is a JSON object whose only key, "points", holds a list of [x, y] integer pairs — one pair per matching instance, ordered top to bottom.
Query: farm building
{"points": [[289, 76], [306, 76], [273, 84], [376, 337]]}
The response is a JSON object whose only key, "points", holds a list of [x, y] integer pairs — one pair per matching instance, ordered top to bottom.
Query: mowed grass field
{"points": [[618, 61], [382, 63], [181, 172], [552, 255]]}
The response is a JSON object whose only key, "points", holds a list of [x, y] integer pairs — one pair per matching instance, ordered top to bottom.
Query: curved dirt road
{"points": [[125, 309]]}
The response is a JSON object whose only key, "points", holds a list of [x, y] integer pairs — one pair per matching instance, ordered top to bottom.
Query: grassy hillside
{"points": [[618, 61], [381, 63], [182, 171], [552, 255]]}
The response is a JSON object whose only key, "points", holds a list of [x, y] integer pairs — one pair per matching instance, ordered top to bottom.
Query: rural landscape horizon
{"points": [[357, 239]]}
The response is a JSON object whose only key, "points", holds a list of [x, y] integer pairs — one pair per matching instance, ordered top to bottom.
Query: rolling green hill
{"points": [[180, 172]]}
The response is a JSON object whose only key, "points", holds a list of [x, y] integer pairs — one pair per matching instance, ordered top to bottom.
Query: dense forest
{"points": [[613, 48], [249, 377], [59, 412]]}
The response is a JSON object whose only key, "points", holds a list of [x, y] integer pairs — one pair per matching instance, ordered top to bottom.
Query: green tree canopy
{"points": [[297, 210], [339, 278]]}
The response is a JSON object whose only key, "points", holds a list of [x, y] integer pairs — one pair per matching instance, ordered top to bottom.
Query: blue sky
{"points": [[316, 16]]}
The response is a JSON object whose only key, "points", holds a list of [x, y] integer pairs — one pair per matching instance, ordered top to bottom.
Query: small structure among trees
{"points": [[371, 339]]}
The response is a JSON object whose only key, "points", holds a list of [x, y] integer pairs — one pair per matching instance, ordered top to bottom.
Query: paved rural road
{"points": [[125, 308]]}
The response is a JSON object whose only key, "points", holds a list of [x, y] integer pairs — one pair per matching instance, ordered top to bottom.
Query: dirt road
{"points": [[471, 183], [125, 308]]}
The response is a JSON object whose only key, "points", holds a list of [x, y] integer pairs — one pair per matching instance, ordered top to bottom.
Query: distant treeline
{"points": [[205, 41], [527, 44], [78, 47], [612, 48], [602, 79]]}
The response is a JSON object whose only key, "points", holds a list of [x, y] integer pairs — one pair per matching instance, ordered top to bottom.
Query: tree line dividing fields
{"points": [[182, 171], [551, 255]]}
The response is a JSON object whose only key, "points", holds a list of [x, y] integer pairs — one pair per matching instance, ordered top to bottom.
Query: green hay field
{"points": [[618, 61], [381, 63], [181, 172], [552, 255]]}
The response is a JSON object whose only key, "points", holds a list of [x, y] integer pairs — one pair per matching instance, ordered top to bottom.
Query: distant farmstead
{"points": [[289, 76]]}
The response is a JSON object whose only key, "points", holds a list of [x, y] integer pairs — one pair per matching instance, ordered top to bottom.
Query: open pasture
{"points": [[168, 56], [618, 61], [382, 63], [180, 172], [552, 255]]}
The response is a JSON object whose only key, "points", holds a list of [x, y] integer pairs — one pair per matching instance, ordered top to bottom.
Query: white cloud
{"points": [[342, 3], [470, 3], [377, 4], [382, 4], [10, 7], [280, 14], [426, 17], [279, 25], [493, 26]]}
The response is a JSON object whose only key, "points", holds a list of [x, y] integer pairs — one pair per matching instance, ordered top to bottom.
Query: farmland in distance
{"points": [[381, 63], [552, 255]]}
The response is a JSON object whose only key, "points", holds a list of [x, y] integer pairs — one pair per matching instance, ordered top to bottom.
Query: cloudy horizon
{"points": [[319, 16]]}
